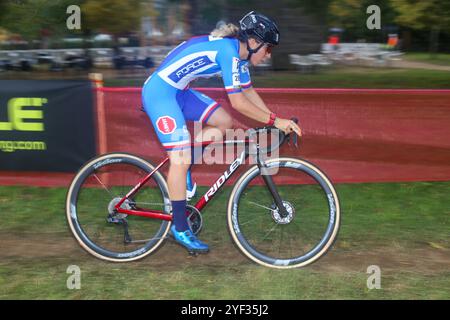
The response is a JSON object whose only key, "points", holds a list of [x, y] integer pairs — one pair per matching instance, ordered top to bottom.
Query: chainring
{"points": [[194, 219]]}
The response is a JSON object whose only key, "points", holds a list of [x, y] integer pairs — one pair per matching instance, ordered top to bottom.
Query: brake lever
{"points": [[293, 136]]}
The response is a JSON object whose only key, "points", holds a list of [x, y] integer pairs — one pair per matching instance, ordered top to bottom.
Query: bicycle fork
{"points": [[272, 188]]}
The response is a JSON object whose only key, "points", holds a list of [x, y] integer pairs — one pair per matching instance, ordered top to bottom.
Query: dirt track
{"points": [[419, 65], [424, 259]]}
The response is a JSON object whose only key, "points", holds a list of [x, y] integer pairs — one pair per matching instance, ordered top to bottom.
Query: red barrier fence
{"points": [[354, 135]]}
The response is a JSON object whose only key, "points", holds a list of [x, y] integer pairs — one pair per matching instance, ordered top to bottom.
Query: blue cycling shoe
{"points": [[191, 186], [189, 241]]}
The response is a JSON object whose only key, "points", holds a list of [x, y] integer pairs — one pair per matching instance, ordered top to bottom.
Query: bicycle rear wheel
{"points": [[91, 198], [267, 237]]}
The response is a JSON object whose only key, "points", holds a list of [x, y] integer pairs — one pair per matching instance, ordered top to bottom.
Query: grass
{"points": [[442, 59], [333, 77], [407, 213], [402, 227], [100, 281]]}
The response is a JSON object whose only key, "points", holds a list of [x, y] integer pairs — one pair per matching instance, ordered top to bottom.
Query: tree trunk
{"points": [[192, 16], [434, 40]]}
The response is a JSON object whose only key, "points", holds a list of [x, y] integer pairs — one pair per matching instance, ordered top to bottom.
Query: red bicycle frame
{"points": [[156, 214]]}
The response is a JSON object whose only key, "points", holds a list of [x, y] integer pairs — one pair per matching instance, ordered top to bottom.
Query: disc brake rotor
{"points": [[276, 216]]}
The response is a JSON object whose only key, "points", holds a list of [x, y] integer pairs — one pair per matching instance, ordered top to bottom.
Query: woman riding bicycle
{"points": [[169, 101]]}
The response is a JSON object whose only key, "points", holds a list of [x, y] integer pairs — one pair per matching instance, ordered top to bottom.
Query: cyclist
{"points": [[169, 101]]}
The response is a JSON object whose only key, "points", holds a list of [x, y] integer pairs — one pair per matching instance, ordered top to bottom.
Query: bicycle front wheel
{"points": [[91, 214], [273, 239]]}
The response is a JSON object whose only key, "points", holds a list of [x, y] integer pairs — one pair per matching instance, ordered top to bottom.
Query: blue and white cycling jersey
{"points": [[203, 57], [166, 95]]}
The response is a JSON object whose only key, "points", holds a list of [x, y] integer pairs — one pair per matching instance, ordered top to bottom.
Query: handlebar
{"points": [[282, 137]]}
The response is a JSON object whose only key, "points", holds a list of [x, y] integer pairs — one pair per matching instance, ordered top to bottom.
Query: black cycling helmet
{"points": [[258, 26]]}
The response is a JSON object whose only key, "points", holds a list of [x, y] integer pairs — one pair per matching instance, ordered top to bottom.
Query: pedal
{"points": [[197, 253]]}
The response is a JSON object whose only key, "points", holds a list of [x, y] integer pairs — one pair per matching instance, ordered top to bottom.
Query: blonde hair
{"points": [[226, 30]]}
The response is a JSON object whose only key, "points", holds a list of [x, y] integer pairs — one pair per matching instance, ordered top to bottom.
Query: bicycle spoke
{"points": [[122, 184], [103, 185], [94, 193], [257, 204], [253, 219], [244, 223], [270, 231], [270, 238], [149, 239], [281, 240], [290, 247]]}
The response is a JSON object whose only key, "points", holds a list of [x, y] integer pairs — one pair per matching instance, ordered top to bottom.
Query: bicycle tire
{"points": [[76, 227], [250, 250]]}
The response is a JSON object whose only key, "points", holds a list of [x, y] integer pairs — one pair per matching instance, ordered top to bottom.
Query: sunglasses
{"points": [[269, 48]]}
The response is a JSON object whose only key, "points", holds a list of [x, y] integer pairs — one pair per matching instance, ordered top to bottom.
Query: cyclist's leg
{"points": [[199, 107], [216, 125], [170, 127], [179, 164]]}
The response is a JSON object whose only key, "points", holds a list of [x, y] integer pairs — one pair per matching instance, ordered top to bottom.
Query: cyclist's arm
{"points": [[230, 64], [247, 88], [254, 97], [241, 103]]}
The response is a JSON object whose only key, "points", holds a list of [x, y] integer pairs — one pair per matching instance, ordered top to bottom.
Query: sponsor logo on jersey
{"points": [[235, 65], [189, 67], [182, 70], [235, 73], [166, 124]]}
